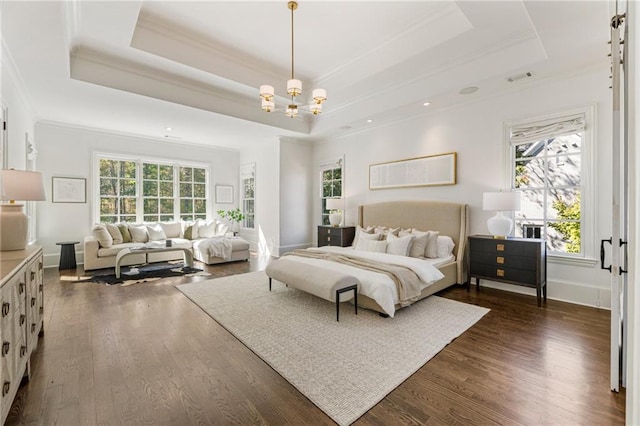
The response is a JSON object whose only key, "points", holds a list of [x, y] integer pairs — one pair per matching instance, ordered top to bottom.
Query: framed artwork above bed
{"points": [[429, 170]]}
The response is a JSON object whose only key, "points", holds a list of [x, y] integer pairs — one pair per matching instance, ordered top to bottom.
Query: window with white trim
{"points": [[550, 166], [331, 181], [136, 190], [248, 194]]}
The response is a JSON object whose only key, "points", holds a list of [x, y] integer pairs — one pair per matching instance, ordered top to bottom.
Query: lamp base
{"points": [[335, 219], [500, 226], [13, 227]]}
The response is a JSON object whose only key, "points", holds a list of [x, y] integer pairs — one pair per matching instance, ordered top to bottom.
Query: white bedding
{"points": [[377, 286]]}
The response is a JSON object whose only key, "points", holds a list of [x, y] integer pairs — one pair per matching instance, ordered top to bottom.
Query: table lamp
{"points": [[23, 186], [334, 205], [500, 226]]}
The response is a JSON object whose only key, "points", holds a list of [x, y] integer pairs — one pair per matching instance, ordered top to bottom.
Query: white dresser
{"points": [[22, 308]]}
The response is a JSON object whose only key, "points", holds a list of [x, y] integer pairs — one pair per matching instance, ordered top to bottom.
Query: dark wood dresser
{"points": [[341, 236], [520, 261]]}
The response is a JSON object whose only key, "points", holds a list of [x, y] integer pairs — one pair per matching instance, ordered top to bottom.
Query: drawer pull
{"points": [[328, 238], [499, 247], [500, 260], [40, 265], [500, 272], [33, 275], [21, 287], [40, 288], [33, 301], [6, 306], [41, 310], [22, 318], [33, 327], [5, 347], [23, 351], [5, 388]]}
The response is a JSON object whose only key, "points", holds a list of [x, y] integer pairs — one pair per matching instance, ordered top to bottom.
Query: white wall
{"points": [[475, 132], [69, 151], [296, 197]]}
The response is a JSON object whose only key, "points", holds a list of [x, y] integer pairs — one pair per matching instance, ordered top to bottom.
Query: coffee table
{"points": [[188, 254]]}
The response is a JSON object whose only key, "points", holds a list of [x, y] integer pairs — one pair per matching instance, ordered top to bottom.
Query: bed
{"points": [[449, 219]]}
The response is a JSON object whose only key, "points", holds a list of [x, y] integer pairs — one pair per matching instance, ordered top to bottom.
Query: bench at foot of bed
{"points": [[321, 282]]}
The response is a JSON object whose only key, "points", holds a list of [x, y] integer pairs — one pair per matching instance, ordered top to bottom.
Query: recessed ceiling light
{"points": [[468, 90], [427, 103], [369, 121], [168, 129]]}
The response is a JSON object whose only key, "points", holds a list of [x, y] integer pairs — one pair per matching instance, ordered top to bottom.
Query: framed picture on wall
{"points": [[430, 170], [68, 190], [224, 194]]}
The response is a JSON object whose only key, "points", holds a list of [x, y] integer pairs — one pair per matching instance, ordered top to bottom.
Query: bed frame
{"points": [[450, 219]]}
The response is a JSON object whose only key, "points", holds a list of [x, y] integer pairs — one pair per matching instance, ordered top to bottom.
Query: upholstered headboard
{"points": [[450, 219]]}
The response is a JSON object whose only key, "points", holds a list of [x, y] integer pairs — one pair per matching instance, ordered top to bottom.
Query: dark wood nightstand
{"points": [[341, 236], [520, 261]]}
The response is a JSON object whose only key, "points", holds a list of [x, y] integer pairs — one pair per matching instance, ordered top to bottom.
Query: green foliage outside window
{"points": [[569, 230]]}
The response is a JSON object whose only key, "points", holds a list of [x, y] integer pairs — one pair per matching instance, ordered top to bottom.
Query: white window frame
{"points": [[97, 156], [326, 165], [248, 171], [587, 178]]}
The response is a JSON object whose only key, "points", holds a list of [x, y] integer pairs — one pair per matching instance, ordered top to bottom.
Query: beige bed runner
{"points": [[406, 281]]}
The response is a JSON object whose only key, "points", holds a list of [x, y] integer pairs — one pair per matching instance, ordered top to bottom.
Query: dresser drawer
{"points": [[340, 236], [518, 248], [505, 260], [527, 277]]}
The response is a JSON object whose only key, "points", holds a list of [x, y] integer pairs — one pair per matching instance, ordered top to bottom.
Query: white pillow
{"points": [[171, 229], [207, 229], [221, 229], [359, 231], [115, 233], [138, 233], [156, 233], [101, 234], [419, 244], [372, 245], [399, 245], [445, 246], [431, 250]]}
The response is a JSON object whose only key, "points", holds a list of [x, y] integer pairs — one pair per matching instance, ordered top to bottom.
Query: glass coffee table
{"points": [[188, 254]]}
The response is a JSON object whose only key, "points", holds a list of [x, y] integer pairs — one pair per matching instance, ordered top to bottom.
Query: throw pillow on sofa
{"points": [[171, 229], [207, 229], [221, 229], [124, 231], [188, 232], [115, 233], [138, 233], [156, 233], [101, 234]]}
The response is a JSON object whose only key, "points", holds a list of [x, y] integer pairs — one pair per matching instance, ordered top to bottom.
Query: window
{"points": [[548, 164], [331, 186], [133, 190], [248, 194]]}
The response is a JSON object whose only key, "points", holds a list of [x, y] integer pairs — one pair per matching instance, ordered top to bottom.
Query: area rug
{"points": [[146, 273], [345, 367]]}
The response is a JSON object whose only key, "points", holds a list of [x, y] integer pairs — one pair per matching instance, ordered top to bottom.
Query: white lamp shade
{"points": [[294, 87], [266, 92], [319, 95], [268, 106], [316, 108], [292, 111], [21, 185], [501, 201], [334, 204]]}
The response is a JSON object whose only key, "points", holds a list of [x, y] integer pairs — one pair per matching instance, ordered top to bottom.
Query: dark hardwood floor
{"points": [[144, 354]]}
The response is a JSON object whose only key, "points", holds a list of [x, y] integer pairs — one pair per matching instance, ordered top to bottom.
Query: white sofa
{"points": [[100, 251]]}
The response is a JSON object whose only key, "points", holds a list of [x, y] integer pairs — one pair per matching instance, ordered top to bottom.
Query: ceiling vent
{"points": [[521, 76]]}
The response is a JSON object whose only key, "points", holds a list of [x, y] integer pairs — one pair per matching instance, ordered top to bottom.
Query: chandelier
{"points": [[294, 87]]}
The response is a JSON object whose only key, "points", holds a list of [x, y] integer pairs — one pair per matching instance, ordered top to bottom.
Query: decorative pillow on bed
{"points": [[359, 231], [384, 231], [156, 233], [101, 234], [419, 244], [372, 245], [399, 245], [445, 246], [431, 250]]}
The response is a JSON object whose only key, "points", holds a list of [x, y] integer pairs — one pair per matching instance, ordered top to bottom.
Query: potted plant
{"points": [[234, 216]]}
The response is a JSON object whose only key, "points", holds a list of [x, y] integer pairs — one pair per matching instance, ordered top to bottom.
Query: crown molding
{"points": [[8, 64]]}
